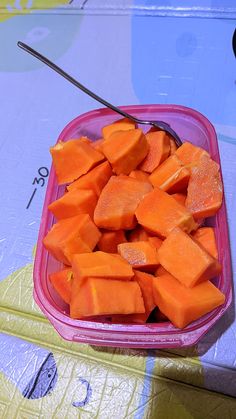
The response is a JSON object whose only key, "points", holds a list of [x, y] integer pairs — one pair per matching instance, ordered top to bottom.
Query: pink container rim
{"points": [[151, 335]]}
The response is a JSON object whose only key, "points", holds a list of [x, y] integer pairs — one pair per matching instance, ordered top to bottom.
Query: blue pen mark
{"points": [[147, 383], [83, 402]]}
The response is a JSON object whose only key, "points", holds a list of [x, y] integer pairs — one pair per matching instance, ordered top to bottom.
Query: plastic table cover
{"points": [[129, 52]]}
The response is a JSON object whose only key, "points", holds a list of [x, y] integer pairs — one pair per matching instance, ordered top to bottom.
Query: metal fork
{"points": [[158, 124]]}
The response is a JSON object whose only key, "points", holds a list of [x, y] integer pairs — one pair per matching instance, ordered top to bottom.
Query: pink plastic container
{"points": [[191, 126]]}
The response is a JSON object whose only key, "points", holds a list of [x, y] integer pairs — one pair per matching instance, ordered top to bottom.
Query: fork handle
{"points": [[62, 73], [158, 124]]}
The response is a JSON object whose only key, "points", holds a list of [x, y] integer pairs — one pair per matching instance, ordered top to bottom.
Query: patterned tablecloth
{"points": [[130, 52]]}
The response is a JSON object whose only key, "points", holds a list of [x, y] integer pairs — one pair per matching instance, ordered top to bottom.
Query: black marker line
{"points": [[234, 43], [35, 189]]}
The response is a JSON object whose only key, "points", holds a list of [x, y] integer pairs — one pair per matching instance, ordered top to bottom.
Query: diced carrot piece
{"points": [[120, 125], [98, 144], [173, 146], [159, 149], [125, 150], [189, 153], [73, 158], [140, 175], [171, 176], [95, 179], [205, 189], [179, 197], [118, 201], [73, 203], [160, 213], [138, 234], [72, 235], [206, 237], [110, 240], [155, 241], [140, 255], [186, 260], [101, 265], [62, 282], [99, 296], [183, 305]]}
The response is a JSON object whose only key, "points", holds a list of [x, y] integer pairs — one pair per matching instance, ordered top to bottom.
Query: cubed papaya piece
{"points": [[123, 124], [85, 140], [98, 144], [173, 146], [125, 150], [159, 150], [189, 153], [73, 158], [140, 175], [171, 176], [95, 179], [205, 189], [180, 197], [118, 201], [73, 203], [160, 213], [138, 234], [71, 235], [206, 237], [110, 240], [155, 242], [140, 255], [184, 258], [101, 265], [161, 271], [145, 282], [62, 283], [99, 296], [183, 305]]}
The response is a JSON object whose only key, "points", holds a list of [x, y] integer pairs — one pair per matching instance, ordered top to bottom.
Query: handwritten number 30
{"points": [[43, 173]]}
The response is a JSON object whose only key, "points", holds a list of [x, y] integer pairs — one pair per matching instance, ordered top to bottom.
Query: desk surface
{"points": [[130, 53]]}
